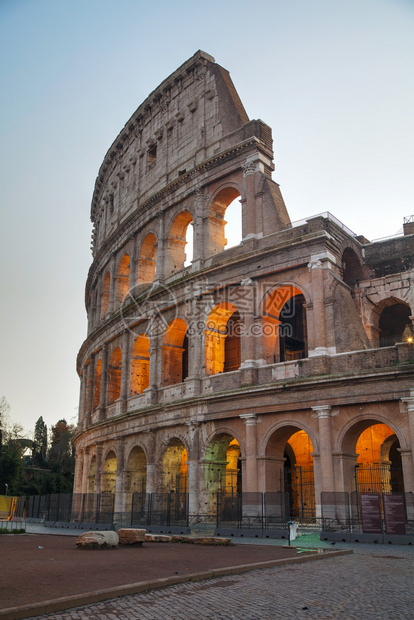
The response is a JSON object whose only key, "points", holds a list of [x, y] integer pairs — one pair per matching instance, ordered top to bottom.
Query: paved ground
{"points": [[375, 582], [372, 584]]}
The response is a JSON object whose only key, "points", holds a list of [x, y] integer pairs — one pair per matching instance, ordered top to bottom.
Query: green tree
{"points": [[13, 445], [39, 452], [61, 457]]}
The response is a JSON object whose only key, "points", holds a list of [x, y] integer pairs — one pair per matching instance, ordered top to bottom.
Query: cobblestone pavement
{"points": [[375, 582]]}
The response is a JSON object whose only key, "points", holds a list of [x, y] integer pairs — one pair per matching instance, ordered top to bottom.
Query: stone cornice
{"points": [[251, 394]]}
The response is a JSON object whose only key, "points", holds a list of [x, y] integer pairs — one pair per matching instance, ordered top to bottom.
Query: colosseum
{"points": [[276, 364]]}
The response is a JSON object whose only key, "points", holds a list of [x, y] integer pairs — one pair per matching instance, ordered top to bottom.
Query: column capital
{"points": [[409, 400], [322, 411], [249, 418]]}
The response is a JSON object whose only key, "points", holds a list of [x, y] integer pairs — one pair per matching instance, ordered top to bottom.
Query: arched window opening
{"points": [[217, 224], [233, 224], [177, 240], [189, 244], [147, 260], [352, 269], [122, 279], [105, 294], [284, 325], [395, 325], [222, 339], [232, 343], [292, 344], [175, 353], [140, 361], [114, 376], [97, 384], [379, 466], [174, 468], [289, 470], [222, 471], [136, 472], [109, 473], [298, 476]]}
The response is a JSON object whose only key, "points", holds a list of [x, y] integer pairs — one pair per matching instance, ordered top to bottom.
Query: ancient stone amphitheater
{"points": [[280, 361]]}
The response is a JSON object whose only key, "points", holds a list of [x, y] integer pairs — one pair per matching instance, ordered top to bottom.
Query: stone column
{"points": [[249, 202], [199, 241], [161, 251], [133, 276], [112, 288], [318, 308], [155, 363], [125, 372], [104, 382], [90, 391], [81, 409], [150, 443], [99, 465], [192, 468], [85, 471], [78, 475], [327, 479], [250, 480], [409, 484], [119, 488]]}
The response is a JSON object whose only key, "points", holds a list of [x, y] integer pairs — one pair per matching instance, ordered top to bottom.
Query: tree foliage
{"points": [[39, 452], [51, 466]]}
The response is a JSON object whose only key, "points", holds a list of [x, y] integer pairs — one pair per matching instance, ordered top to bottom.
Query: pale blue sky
{"points": [[334, 80]]}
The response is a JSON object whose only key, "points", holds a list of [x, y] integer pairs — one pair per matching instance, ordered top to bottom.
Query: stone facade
{"points": [[291, 351]]}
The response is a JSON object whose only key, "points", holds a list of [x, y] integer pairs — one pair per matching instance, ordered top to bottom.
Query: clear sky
{"points": [[334, 80]]}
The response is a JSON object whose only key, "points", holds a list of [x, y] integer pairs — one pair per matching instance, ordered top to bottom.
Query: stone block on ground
{"points": [[131, 536], [157, 538], [177, 538], [97, 540], [212, 540]]}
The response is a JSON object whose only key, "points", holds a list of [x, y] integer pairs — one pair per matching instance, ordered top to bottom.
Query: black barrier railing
{"points": [[139, 509], [264, 511], [369, 513]]}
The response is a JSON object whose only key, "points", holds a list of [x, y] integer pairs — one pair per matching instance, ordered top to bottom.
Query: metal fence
{"points": [[145, 509], [252, 510], [345, 512]]}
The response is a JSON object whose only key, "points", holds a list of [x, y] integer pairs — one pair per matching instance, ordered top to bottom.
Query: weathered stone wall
{"points": [[199, 375]]}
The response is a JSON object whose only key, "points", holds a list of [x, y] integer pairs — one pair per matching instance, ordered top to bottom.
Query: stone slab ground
{"points": [[41, 567]]}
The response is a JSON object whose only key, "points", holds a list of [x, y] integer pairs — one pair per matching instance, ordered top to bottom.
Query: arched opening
{"points": [[217, 224], [177, 241], [147, 259], [351, 268], [122, 279], [105, 294], [395, 324], [284, 325], [222, 339], [175, 353], [140, 361], [114, 376], [97, 384], [378, 462], [222, 465], [174, 468], [289, 469], [136, 472], [109, 473], [92, 475], [222, 476], [136, 485]]}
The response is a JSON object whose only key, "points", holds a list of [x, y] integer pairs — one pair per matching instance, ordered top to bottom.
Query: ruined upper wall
{"points": [[180, 125]]}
